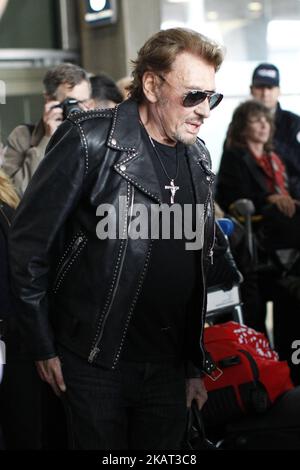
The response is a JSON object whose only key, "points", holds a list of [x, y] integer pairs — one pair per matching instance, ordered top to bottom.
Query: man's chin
{"points": [[187, 139]]}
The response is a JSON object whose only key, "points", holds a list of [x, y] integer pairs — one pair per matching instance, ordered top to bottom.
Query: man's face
{"points": [[80, 92], [267, 95], [175, 122]]}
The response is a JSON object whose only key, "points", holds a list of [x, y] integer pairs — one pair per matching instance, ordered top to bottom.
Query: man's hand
{"points": [[52, 117], [285, 204], [50, 372], [195, 390]]}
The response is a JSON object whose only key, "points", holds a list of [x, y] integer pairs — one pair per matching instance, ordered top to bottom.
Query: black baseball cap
{"points": [[265, 75]]}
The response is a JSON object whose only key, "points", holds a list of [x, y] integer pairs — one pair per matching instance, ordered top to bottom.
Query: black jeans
{"points": [[137, 406]]}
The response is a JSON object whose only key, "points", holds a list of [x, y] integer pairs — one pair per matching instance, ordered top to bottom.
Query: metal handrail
{"points": [[44, 56]]}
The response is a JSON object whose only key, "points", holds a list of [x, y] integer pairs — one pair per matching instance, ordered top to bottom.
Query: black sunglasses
{"points": [[195, 97]]}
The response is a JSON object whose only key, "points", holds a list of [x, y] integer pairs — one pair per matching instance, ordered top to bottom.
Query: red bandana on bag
{"points": [[275, 172]]}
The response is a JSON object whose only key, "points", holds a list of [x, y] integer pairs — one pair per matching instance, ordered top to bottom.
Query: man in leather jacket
{"points": [[115, 322]]}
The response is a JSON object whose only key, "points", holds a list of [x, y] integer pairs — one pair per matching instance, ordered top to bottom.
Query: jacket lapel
{"points": [[135, 163]]}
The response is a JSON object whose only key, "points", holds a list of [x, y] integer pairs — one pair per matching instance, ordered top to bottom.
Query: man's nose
{"points": [[266, 91], [203, 108]]}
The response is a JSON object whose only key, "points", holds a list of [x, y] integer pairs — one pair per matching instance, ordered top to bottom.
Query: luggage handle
{"points": [[229, 361]]}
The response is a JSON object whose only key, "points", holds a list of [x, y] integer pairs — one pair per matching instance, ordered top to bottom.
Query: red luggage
{"points": [[251, 377]]}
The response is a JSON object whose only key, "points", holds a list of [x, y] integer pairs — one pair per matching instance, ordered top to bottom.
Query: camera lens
{"points": [[70, 106]]}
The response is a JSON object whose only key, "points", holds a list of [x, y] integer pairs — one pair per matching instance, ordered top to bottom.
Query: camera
{"points": [[69, 106]]}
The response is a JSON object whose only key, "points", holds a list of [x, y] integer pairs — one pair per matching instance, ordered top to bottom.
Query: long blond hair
{"points": [[7, 192]]}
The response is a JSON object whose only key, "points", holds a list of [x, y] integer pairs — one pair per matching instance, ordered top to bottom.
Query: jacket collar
{"points": [[125, 132], [137, 167], [202, 176]]}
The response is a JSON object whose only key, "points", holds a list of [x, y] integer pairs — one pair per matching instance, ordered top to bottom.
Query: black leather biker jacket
{"points": [[73, 287]]}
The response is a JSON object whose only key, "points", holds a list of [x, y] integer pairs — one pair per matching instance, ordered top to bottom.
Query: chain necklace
{"points": [[171, 187]]}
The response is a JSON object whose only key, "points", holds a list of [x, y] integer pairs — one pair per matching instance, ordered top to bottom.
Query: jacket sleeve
{"points": [[20, 159], [50, 197], [223, 272], [192, 371]]}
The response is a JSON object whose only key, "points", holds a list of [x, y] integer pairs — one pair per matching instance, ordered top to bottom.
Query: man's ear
{"points": [[150, 86]]}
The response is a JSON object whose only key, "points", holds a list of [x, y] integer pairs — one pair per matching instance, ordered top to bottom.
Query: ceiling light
{"points": [[178, 1], [97, 5], [254, 6], [212, 15]]}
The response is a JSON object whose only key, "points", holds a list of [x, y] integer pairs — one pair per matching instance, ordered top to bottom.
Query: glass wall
{"points": [[29, 24], [252, 32], [30, 43]]}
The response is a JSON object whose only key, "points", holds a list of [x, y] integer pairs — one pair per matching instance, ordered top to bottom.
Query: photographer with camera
{"points": [[66, 89]]}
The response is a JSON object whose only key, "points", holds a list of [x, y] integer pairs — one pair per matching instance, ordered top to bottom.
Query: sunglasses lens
{"points": [[193, 98], [215, 99]]}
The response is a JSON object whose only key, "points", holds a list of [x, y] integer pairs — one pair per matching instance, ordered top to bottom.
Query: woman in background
{"points": [[250, 169]]}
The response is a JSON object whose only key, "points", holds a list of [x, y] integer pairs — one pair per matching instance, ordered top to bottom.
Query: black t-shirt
{"points": [[157, 328]]}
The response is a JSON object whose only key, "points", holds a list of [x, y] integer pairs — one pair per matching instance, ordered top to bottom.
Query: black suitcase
{"points": [[286, 308], [277, 429]]}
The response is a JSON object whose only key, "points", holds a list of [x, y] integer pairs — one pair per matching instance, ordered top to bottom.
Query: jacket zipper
{"points": [[211, 250], [61, 271], [202, 271], [203, 308], [95, 348]]}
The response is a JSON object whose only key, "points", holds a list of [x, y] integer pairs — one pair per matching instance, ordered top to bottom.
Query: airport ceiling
{"points": [[275, 9], [225, 11]]}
